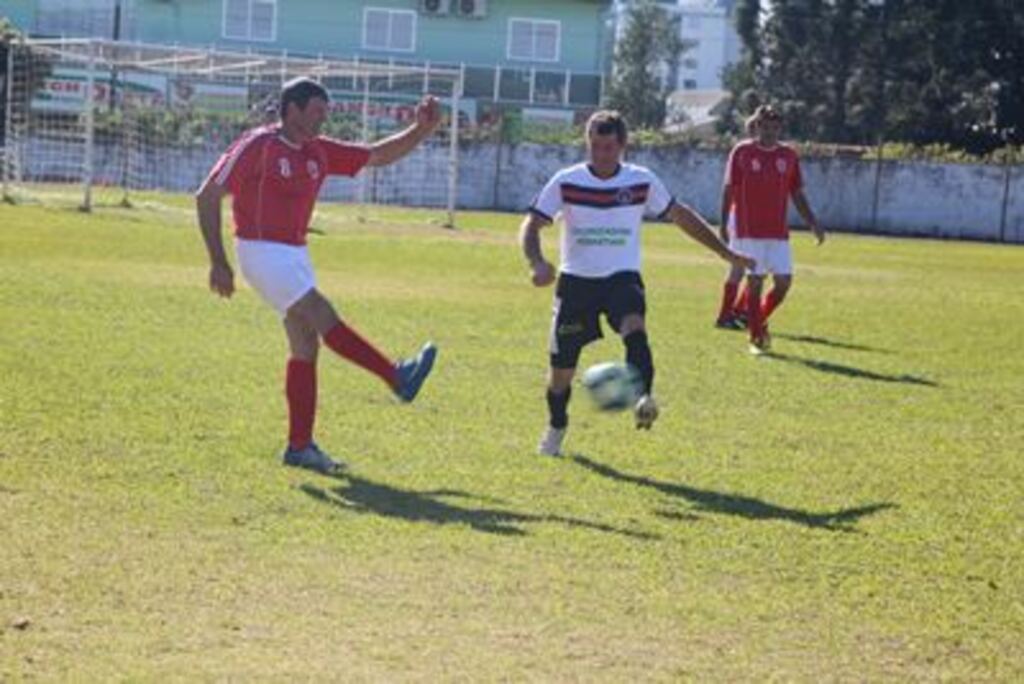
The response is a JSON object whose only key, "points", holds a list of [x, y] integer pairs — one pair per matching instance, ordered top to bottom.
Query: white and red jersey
{"points": [[761, 180], [274, 183], [603, 216]]}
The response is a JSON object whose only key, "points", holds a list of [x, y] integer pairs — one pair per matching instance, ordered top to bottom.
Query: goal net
{"points": [[98, 123]]}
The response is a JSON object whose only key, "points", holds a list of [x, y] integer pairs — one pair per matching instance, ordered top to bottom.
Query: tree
{"points": [[748, 26], [1000, 41], [645, 63], [919, 71], [741, 79]]}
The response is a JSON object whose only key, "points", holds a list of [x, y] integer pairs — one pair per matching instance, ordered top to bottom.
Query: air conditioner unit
{"points": [[435, 8], [471, 9]]}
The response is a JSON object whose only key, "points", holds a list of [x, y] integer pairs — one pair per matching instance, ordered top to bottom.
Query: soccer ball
{"points": [[613, 386]]}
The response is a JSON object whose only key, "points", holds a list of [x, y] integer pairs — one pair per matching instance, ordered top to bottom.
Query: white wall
{"points": [[914, 198]]}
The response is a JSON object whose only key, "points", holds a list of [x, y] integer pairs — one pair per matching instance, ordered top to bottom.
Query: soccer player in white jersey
{"points": [[274, 174], [603, 203]]}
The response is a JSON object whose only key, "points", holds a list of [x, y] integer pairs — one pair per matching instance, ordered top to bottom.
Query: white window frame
{"points": [[391, 11], [248, 25], [534, 57]]}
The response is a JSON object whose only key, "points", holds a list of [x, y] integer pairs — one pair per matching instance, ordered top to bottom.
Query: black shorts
{"points": [[579, 303]]}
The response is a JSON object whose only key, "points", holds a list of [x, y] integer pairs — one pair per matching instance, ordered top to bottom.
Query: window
{"points": [[78, 18], [250, 20], [388, 29], [535, 40], [690, 63], [479, 82], [689, 84], [515, 85], [549, 87], [585, 89]]}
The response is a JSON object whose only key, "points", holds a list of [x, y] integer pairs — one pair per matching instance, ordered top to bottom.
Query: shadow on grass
{"points": [[825, 342], [850, 371], [360, 495], [710, 501]]}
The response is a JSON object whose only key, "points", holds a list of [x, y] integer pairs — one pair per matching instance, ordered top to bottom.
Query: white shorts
{"points": [[772, 256], [280, 273]]}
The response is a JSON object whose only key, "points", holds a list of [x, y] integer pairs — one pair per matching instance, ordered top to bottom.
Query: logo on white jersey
{"points": [[781, 166], [284, 167], [313, 169], [624, 196]]}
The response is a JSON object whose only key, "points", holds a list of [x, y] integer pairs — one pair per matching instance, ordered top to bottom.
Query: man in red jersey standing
{"points": [[274, 174], [761, 176], [732, 314]]}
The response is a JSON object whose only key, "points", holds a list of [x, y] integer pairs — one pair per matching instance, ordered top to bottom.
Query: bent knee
{"points": [[315, 311], [631, 324]]}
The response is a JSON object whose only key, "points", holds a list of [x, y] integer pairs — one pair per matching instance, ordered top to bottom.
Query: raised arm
{"points": [[393, 148], [208, 199], [698, 229], [543, 273]]}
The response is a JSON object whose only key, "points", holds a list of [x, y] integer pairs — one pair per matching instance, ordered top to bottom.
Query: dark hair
{"points": [[301, 91], [765, 112], [606, 122]]}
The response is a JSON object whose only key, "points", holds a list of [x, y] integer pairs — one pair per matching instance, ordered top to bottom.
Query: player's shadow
{"points": [[825, 342], [850, 371], [709, 501], [439, 507]]}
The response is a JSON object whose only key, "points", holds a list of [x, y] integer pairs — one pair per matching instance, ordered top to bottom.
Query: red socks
{"points": [[729, 290], [743, 303], [771, 303], [347, 343], [300, 380], [300, 389]]}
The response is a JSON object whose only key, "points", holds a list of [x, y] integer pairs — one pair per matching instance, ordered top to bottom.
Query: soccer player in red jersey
{"points": [[274, 174], [761, 176], [732, 315]]}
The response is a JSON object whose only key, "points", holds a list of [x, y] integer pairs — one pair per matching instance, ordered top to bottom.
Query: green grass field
{"points": [[849, 509]]}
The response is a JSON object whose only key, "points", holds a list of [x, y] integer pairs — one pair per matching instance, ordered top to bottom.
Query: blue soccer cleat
{"points": [[412, 373], [312, 458]]}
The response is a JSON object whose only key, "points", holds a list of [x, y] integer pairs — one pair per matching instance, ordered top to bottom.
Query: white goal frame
{"points": [[104, 66]]}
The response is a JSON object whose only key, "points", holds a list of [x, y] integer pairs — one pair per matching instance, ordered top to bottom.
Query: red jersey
{"points": [[762, 179], [274, 182]]}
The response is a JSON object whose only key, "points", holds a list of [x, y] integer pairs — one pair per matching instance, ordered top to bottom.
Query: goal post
{"points": [[96, 123], [8, 154]]}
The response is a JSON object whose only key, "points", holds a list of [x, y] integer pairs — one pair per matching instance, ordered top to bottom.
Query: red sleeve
{"points": [[344, 159], [240, 161], [733, 172], [796, 179]]}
